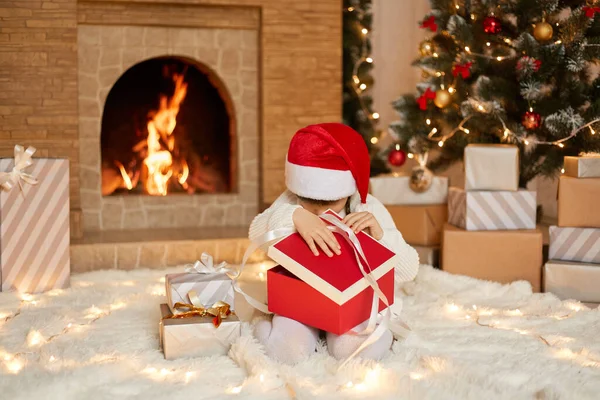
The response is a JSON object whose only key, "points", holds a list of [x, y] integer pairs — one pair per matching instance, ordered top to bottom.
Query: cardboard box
{"points": [[491, 167], [582, 167], [395, 190], [578, 201], [492, 210], [420, 225], [34, 228], [575, 244], [429, 255], [501, 256], [569, 280], [210, 288], [329, 293], [196, 336]]}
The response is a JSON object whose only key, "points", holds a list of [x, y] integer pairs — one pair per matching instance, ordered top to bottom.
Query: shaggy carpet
{"points": [[471, 340]]}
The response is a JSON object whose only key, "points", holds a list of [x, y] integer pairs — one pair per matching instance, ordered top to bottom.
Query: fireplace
{"points": [[168, 126]]}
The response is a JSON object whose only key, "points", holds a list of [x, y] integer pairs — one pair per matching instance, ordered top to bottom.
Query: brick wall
{"points": [[38, 83]]}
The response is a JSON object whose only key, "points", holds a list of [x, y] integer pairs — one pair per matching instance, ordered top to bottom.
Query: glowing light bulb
{"points": [[457, 7], [350, 9], [473, 16], [364, 31], [507, 41], [558, 42], [488, 44], [467, 49], [435, 55], [499, 58], [369, 60], [438, 74], [355, 79], [362, 86], [451, 90], [480, 107], [530, 109], [375, 115], [428, 121], [434, 130], [466, 131], [592, 131], [506, 132], [374, 140], [526, 142], [441, 143], [560, 145], [397, 147], [410, 155], [562, 170], [69, 325], [34, 338], [14, 366], [164, 371], [235, 390]]}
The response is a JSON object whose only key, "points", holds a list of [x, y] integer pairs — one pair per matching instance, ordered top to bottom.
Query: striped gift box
{"points": [[491, 210], [34, 229], [574, 244], [209, 287]]}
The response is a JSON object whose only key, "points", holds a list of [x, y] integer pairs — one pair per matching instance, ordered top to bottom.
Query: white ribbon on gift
{"points": [[22, 160], [206, 266], [398, 328]]}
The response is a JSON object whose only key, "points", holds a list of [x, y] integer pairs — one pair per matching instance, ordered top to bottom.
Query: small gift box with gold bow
{"points": [[34, 222], [209, 284], [197, 331]]}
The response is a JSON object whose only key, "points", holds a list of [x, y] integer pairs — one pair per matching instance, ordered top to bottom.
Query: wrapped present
{"points": [[587, 166], [491, 167], [395, 190], [578, 202], [491, 210], [34, 222], [420, 225], [574, 244], [501, 256], [570, 280], [211, 283], [329, 293], [195, 334]]}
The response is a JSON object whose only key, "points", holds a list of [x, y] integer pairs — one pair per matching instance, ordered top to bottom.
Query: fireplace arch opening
{"points": [[168, 126]]}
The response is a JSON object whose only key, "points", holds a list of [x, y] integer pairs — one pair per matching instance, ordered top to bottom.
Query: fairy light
{"points": [[457, 7], [473, 17], [364, 31], [507, 41], [558, 42], [488, 44], [467, 49], [435, 55], [499, 58], [369, 60], [438, 74], [355, 79], [362, 86], [451, 90], [480, 107], [530, 109], [375, 115], [428, 122], [434, 130], [465, 130], [592, 131], [506, 132], [526, 142], [441, 143], [560, 145], [397, 147], [410, 155], [562, 170], [452, 307], [34, 338], [52, 359], [14, 366], [235, 390]]}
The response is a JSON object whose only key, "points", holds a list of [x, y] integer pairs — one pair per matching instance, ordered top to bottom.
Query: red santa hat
{"points": [[328, 162]]}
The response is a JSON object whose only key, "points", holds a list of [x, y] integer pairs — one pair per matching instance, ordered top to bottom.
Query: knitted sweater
{"points": [[279, 215]]}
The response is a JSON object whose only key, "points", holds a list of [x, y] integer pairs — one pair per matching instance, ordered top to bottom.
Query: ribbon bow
{"points": [[590, 12], [429, 23], [463, 70], [422, 100], [22, 161], [206, 266], [219, 311]]}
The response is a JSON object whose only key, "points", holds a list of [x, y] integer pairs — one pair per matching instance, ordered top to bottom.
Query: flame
{"points": [[184, 174], [126, 177]]}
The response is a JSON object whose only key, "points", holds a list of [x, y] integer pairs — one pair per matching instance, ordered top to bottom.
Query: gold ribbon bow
{"points": [[22, 160], [219, 311]]}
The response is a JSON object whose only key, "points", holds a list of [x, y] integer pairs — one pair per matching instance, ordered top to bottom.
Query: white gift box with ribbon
{"points": [[34, 222], [211, 283]]}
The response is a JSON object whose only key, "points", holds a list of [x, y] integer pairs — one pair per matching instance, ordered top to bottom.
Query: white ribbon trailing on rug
{"points": [[22, 160]]}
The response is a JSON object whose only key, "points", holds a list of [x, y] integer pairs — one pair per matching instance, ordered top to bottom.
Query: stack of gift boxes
{"points": [[420, 217], [491, 231], [573, 271]]}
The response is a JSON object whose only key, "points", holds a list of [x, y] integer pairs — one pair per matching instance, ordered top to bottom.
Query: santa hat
{"points": [[328, 162]]}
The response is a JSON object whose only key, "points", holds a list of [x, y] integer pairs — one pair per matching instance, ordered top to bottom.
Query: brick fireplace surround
{"points": [[280, 61]]}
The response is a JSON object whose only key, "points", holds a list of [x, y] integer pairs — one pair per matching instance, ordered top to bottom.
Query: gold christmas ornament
{"points": [[543, 31], [426, 48], [442, 98], [420, 179]]}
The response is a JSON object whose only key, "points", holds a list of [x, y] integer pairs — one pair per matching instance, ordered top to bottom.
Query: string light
{"points": [[364, 31], [558, 42], [488, 44], [467, 49], [435, 55], [499, 58], [369, 60], [438, 74], [362, 86], [451, 90], [480, 107], [375, 115], [428, 122], [592, 131], [506, 132], [374, 140], [441, 143], [560, 145], [410, 155], [562, 170]]}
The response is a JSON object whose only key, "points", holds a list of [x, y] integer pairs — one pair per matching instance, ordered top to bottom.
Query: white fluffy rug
{"points": [[472, 340]]}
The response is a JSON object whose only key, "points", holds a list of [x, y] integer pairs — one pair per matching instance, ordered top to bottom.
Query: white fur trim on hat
{"points": [[319, 183]]}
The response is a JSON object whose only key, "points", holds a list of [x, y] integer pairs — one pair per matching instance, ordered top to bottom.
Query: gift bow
{"points": [[590, 12], [463, 70], [422, 100], [22, 161], [206, 266], [219, 310]]}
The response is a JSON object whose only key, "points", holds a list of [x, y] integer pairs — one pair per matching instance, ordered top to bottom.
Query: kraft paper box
{"points": [[491, 167], [582, 167], [395, 190], [578, 202], [492, 210], [420, 225], [34, 228], [575, 244], [501, 256], [569, 280], [210, 288], [196, 336]]}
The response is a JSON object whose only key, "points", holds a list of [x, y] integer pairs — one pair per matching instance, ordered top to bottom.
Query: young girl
{"points": [[327, 167]]}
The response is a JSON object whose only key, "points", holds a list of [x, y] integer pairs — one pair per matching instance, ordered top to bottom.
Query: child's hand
{"points": [[364, 220], [314, 232]]}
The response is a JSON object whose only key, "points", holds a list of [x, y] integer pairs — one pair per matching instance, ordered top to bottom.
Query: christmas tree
{"points": [[357, 63], [505, 71]]}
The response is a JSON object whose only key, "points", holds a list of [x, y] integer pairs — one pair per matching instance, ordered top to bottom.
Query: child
{"points": [[327, 167]]}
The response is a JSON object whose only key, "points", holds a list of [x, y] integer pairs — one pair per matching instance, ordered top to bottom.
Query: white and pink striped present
{"points": [[34, 224], [574, 244]]}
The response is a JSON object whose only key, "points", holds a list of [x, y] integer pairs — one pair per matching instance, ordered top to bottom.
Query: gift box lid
{"points": [[338, 277]]}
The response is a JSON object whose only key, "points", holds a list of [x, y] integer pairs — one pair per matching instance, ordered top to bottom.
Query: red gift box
{"points": [[329, 293]]}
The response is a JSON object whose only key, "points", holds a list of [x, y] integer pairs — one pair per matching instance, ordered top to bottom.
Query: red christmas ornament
{"points": [[590, 12], [429, 23], [492, 25], [530, 62], [463, 70], [422, 100], [531, 120], [397, 157]]}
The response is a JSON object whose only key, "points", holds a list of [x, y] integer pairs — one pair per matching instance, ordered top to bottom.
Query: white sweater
{"points": [[279, 215]]}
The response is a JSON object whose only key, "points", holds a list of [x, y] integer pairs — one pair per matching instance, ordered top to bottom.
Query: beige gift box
{"points": [[491, 167], [582, 167], [395, 190], [34, 228], [570, 280], [196, 336]]}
